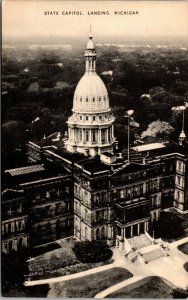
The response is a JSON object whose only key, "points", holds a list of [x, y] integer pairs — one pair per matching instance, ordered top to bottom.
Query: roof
{"points": [[91, 94], [148, 147], [108, 154], [71, 156], [93, 165], [129, 168], [25, 170], [10, 194]]}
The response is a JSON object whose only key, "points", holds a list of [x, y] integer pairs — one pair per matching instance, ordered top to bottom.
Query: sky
{"points": [[27, 18]]}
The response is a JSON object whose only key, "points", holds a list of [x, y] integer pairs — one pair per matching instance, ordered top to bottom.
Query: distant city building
{"points": [[79, 185]]}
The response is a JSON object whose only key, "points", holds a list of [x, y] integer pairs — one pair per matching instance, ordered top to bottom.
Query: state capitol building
{"points": [[77, 183]]}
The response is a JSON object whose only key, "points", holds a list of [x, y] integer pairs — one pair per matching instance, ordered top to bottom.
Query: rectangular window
{"points": [[80, 134], [87, 135], [103, 135], [94, 136], [48, 194], [121, 194], [67, 206]]}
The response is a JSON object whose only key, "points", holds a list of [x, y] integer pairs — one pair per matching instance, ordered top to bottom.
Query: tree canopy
{"points": [[158, 128]]}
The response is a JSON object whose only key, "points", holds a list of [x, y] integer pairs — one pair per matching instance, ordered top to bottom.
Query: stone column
{"points": [[112, 130], [73, 134], [83, 135], [90, 135], [100, 136], [147, 226], [138, 229], [132, 231], [122, 233]]}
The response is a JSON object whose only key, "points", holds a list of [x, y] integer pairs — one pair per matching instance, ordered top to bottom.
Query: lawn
{"points": [[171, 226], [183, 248], [43, 249], [55, 259], [59, 262], [186, 266], [88, 286], [150, 287], [40, 291]]}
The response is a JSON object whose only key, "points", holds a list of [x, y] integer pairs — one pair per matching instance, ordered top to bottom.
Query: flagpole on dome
{"points": [[90, 32]]}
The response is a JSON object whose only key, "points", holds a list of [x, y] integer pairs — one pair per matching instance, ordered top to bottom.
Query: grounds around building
{"points": [[183, 248], [60, 262], [186, 266], [123, 278], [88, 286], [149, 287]]}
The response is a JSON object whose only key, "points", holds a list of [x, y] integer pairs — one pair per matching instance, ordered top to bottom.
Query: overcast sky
{"points": [[26, 18]]}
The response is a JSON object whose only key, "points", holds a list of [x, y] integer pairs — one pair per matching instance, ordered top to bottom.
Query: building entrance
{"points": [[141, 228], [135, 230]]}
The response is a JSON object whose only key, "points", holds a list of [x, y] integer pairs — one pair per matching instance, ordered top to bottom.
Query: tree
{"points": [[158, 128], [13, 136], [169, 226], [92, 252], [13, 269], [179, 293]]}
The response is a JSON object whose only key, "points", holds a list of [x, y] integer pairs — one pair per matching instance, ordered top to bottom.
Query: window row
{"points": [[87, 99], [51, 193], [11, 209], [13, 227]]}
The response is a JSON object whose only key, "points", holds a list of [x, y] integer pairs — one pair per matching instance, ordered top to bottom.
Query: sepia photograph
{"points": [[94, 153]]}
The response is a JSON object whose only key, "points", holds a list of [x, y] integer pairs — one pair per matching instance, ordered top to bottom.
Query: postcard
{"points": [[94, 149]]}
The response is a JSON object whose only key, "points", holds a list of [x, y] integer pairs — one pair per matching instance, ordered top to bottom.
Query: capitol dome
{"points": [[91, 95], [90, 127]]}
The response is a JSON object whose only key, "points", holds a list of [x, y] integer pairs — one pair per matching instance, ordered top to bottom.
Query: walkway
{"points": [[177, 243], [170, 268], [68, 277], [118, 286]]}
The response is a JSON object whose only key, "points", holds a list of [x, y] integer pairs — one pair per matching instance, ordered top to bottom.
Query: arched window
{"points": [[81, 99], [86, 99], [93, 99], [178, 180], [9, 228], [86, 232], [103, 233], [97, 234], [20, 243], [10, 246]]}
